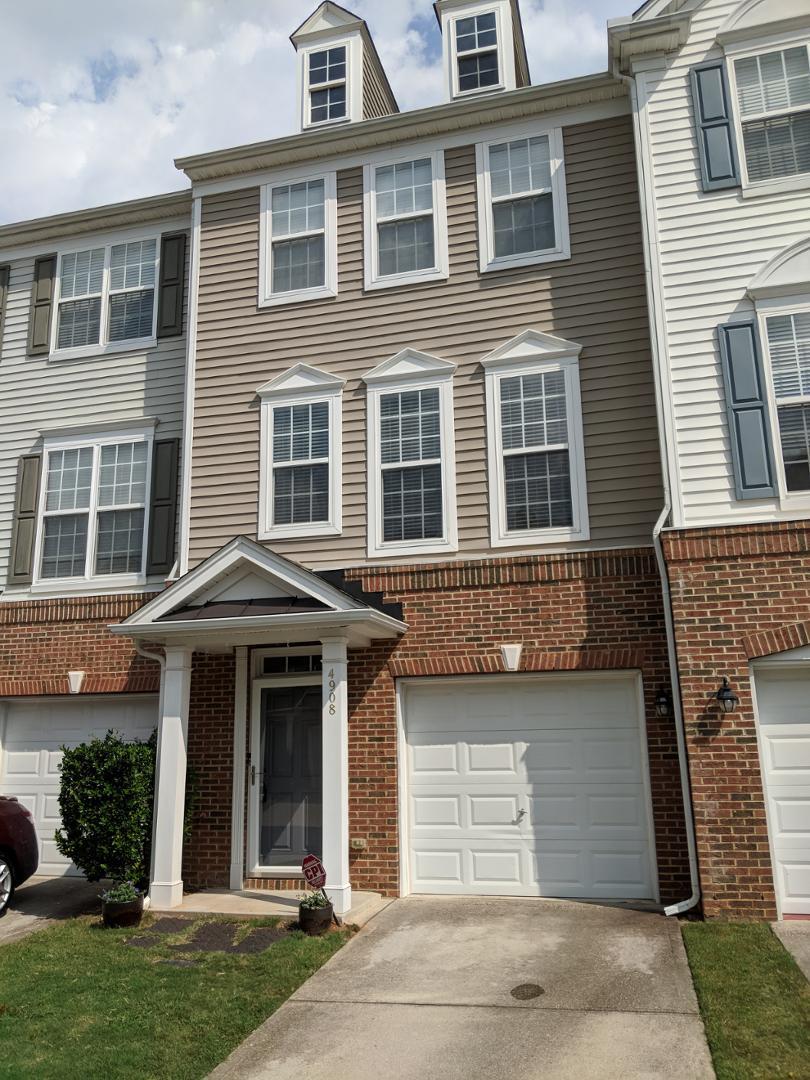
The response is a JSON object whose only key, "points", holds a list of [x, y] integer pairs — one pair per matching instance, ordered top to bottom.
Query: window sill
{"points": [[783, 186], [512, 262], [417, 278], [298, 297], [92, 352], [300, 532], [540, 536], [415, 550], [77, 585], [61, 590]]}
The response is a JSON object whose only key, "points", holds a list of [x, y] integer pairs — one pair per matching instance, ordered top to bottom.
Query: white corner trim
{"points": [[486, 228], [441, 268], [267, 298], [401, 374], [301, 385], [184, 529], [500, 536]]}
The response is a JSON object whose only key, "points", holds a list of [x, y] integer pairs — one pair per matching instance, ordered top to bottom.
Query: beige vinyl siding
{"points": [[376, 99], [711, 246], [597, 298], [38, 394]]}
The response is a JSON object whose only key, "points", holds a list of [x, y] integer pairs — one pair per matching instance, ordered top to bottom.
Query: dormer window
{"points": [[477, 53], [327, 85]]}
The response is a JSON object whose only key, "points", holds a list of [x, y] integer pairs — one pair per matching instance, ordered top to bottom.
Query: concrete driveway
{"points": [[41, 901], [441, 987]]}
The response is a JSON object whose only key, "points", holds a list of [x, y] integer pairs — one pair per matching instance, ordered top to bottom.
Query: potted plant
{"points": [[122, 905], [315, 913]]}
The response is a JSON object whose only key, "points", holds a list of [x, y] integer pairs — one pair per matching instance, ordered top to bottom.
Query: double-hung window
{"points": [[476, 46], [327, 85], [773, 95], [523, 217], [406, 222], [299, 247], [106, 296], [788, 338], [300, 454], [411, 456], [536, 459], [93, 509]]}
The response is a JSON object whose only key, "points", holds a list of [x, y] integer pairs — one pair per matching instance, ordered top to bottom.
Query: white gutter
{"points": [[658, 347], [191, 369]]}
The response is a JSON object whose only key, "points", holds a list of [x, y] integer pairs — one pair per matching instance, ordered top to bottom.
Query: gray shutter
{"points": [[714, 123], [4, 276], [171, 287], [39, 334], [747, 405], [163, 509], [24, 530]]}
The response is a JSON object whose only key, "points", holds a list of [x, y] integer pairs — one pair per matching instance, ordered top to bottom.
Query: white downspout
{"points": [[139, 649], [680, 733]]}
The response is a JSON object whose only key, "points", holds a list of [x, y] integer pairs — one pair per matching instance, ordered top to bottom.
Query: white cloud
{"points": [[98, 96]]}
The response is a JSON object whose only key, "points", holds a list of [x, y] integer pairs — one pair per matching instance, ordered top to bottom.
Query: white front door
{"points": [[783, 703], [30, 752], [528, 787]]}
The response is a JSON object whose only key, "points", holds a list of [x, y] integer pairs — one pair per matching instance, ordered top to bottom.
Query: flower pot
{"points": [[118, 915], [315, 921]]}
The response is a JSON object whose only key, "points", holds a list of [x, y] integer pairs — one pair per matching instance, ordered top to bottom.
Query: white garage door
{"points": [[784, 721], [30, 741], [533, 787]]}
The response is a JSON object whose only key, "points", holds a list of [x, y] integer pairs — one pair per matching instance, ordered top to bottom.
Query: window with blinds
{"points": [[773, 94], [789, 349], [300, 464], [411, 465], [94, 510]]}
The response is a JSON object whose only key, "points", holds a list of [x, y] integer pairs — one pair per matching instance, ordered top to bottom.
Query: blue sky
{"points": [[98, 96]]}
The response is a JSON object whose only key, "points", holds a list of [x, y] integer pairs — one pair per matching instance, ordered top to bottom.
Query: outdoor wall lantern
{"points": [[726, 696], [663, 703]]}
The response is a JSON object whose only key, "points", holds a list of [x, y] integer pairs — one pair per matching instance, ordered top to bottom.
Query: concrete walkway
{"points": [[41, 901], [253, 903], [795, 936], [479, 989]]}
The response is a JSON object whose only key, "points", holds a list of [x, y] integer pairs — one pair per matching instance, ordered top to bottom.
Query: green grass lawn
{"points": [[754, 1000], [76, 1002]]}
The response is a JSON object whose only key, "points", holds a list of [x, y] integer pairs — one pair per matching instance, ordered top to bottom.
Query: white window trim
{"points": [[353, 44], [506, 59], [779, 185], [486, 227], [441, 269], [267, 298], [104, 347], [411, 370], [495, 370], [302, 385], [143, 433], [792, 501]]}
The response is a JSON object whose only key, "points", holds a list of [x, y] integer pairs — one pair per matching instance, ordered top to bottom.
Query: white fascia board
{"points": [[383, 625]]}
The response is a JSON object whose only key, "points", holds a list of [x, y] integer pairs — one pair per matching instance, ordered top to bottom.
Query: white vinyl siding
{"points": [[773, 95], [522, 214], [299, 245], [106, 296], [94, 511]]}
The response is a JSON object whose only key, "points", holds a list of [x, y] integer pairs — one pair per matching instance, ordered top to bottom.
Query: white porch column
{"points": [[336, 774], [166, 889]]}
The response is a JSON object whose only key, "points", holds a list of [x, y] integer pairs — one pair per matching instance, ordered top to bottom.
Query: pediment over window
{"points": [[757, 17], [327, 18], [787, 274], [531, 345], [410, 364], [301, 379]]}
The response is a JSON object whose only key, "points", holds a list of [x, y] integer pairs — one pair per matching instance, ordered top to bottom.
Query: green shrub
{"points": [[105, 800]]}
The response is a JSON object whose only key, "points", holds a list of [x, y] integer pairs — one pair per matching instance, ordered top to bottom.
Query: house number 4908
{"points": [[332, 686]]}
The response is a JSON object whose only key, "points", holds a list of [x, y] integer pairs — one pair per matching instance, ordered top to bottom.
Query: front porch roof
{"points": [[244, 594]]}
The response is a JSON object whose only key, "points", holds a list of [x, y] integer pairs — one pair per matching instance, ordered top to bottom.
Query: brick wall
{"points": [[737, 593], [41, 640]]}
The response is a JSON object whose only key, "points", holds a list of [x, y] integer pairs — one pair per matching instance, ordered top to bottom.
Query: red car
{"points": [[19, 851]]}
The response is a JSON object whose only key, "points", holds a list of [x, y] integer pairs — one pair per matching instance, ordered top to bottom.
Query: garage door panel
{"points": [[35, 731], [532, 802]]}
